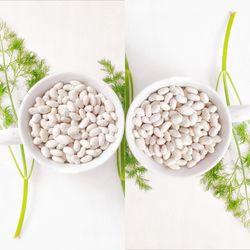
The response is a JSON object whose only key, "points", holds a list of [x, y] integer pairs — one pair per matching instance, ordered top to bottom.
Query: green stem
{"points": [[226, 40], [224, 56], [226, 75], [14, 80], [7, 81], [130, 81], [218, 81], [234, 87], [131, 88], [226, 90], [128, 97], [122, 149], [121, 152], [24, 160], [118, 160], [15, 161], [120, 165], [242, 168], [31, 169], [25, 173], [233, 174], [25, 192], [23, 208]]}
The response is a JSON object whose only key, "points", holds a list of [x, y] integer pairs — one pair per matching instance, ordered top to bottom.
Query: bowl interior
{"points": [[38, 90], [211, 159]]}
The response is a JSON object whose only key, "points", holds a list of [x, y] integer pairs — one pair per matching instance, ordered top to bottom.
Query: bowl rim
{"points": [[39, 89], [147, 161]]}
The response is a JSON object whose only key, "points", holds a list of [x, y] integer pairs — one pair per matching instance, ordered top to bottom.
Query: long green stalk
{"points": [[226, 41], [224, 56], [17, 64], [225, 77], [128, 97], [121, 152], [15, 161], [242, 169], [24, 173], [232, 183], [25, 194], [23, 208]]}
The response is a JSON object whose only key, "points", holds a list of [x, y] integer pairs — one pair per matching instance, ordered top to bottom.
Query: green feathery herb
{"points": [[17, 66], [2, 90], [7, 115], [241, 130], [126, 162], [229, 179]]}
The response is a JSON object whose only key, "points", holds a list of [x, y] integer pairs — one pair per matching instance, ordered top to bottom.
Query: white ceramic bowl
{"points": [[25, 131], [211, 159]]}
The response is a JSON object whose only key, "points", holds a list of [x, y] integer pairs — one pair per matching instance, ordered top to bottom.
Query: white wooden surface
{"points": [[167, 38], [65, 212]]}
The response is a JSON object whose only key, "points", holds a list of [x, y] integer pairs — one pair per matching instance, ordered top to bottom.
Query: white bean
{"points": [[191, 90], [163, 91], [204, 97], [181, 99], [52, 103], [173, 104], [198, 105], [109, 106], [164, 106], [155, 108], [43, 109], [186, 110], [33, 111], [75, 116], [155, 117], [36, 118], [176, 118], [137, 121], [165, 126], [213, 131], [94, 132], [174, 133], [44, 135], [109, 138], [63, 139], [205, 140], [45, 151], [68, 151], [56, 152], [81, 152], [86, 158], [58, 159], [75, 159], [170, 162], [191, 164]]}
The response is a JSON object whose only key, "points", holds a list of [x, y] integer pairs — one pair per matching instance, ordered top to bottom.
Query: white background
{"points": [[184, 38], [65, 212]]}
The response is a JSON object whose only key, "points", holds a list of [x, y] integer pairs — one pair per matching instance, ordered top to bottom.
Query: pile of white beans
{"points": [[72, 123], [177, 126]]}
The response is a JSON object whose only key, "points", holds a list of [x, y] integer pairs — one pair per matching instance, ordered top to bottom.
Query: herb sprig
{"points": [[17, 66], [126, 162], [230, 180]]}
